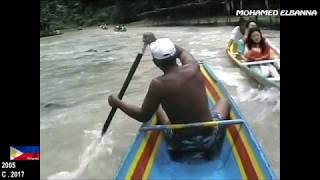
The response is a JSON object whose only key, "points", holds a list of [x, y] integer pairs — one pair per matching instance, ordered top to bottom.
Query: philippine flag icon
{"points": [[24, 153]]}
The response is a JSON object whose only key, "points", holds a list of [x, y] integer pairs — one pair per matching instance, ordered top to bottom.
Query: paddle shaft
{"points": [[122, 91], [200, 124]]}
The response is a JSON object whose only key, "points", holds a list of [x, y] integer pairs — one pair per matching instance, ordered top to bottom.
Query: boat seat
{"points": [[274, 78]]}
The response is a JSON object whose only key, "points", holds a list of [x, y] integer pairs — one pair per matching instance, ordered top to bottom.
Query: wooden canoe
{"points": [[266, 82], [241, 157]]}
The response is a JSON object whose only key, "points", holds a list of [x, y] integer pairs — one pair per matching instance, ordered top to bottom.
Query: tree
{"points": [[266, 2], [123, 12]]}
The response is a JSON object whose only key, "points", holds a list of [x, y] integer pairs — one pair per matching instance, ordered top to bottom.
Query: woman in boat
{"points": [[249, 25], [257, 48]]}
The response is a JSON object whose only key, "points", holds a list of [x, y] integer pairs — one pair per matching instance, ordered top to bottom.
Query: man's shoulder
{"points": [[156, 82], [156, 85]]}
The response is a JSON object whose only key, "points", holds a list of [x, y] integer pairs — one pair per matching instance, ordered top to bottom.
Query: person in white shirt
{"points": [[237, 34]]}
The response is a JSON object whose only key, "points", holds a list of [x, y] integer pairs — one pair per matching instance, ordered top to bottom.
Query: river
{"points": [[80, 69]]}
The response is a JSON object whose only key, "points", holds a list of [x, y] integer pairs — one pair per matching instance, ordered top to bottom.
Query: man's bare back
{"points": [[179, 95], [183, 96]]}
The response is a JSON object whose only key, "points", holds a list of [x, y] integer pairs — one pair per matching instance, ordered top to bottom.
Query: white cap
{"points": [[162, 48]]}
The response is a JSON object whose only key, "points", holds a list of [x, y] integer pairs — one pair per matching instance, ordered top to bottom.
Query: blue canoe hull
{"points": [[241, 156]]}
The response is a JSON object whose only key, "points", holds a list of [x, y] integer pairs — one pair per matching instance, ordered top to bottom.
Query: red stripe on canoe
{"points": [[212, 90], [243, 153], [244, 156], [145, 157]]}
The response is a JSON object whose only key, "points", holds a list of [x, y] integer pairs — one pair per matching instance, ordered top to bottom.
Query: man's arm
{"points": [[272, 46], [184, 56], [148, 108], [162, 116]]}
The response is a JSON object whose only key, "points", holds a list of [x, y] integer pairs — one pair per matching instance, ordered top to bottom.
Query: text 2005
{"points": [[8, 165]]}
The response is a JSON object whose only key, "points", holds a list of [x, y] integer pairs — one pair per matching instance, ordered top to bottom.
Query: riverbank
{"points": [[264, 22]]}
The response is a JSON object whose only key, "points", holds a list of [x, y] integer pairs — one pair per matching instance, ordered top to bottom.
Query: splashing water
{"points": [[230, 76], [245, 93], [270, 96], [94, 150]]}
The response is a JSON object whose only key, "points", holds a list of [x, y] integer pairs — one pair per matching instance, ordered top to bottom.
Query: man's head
{"points": [[251, 24], [164, 53]]}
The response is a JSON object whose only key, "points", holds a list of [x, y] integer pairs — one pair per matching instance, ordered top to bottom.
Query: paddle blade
{"points": [[107, 123]]}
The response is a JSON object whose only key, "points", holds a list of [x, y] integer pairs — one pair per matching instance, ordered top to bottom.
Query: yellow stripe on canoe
{"points": [[247, 145], [234, 149], [139, 152], [237, 156], [252, 156], [153, 157]]}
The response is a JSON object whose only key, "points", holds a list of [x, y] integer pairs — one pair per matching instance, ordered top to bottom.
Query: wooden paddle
{"points": [[123, 89]]}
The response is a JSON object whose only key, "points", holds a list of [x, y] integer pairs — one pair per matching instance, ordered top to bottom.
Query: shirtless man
{"points": [[177, 96]]}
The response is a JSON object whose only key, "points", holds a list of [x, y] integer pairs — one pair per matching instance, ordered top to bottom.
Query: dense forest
{"points": [[62, 14]]}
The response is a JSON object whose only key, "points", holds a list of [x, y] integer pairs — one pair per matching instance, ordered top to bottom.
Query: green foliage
{"points": [[123, 12], [58, 14]]}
